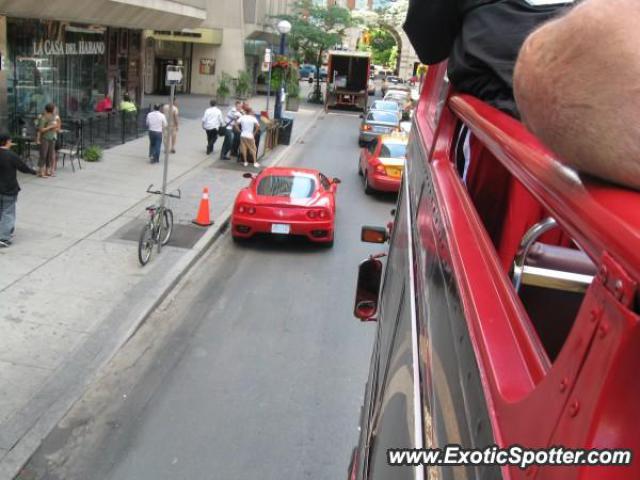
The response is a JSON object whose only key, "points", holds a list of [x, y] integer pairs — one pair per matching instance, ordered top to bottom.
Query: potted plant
{"points": [[243, 85], [224, 88], [293, 89], [92, 154]]}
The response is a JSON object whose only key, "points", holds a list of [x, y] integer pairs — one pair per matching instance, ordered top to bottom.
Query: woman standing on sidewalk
{"points": [[48, 125], [248, 126]]}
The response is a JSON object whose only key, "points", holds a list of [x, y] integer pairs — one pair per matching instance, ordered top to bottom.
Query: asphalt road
{"points": [[253, 369]]}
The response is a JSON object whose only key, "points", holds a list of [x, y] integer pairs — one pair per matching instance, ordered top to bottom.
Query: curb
{"points": [[19, 453]]}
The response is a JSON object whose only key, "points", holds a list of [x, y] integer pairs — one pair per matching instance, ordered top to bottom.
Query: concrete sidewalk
{"points": [[71, 288]]}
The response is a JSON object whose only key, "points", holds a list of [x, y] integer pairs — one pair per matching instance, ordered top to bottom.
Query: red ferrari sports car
{"points": [[286, 201]]}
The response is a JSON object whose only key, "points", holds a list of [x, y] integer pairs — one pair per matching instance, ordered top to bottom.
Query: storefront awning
{"points": [[139, 14], [206, 36]]}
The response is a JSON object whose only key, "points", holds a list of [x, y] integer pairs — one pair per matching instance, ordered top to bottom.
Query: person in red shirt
{"points": [[105, 105]]}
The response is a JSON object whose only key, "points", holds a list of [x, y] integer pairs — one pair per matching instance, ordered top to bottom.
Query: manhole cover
{"points": [[183, 236]]}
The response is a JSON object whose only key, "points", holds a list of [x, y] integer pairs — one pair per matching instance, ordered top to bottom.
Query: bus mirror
{"points": [[371, 234], [368, 289]]}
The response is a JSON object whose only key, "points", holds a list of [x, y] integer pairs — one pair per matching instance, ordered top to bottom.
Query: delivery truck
{"points": [[347, 78]]}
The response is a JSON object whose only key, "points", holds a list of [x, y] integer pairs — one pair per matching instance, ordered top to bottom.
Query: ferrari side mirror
{"points": [[247, 175], [336, 180]]}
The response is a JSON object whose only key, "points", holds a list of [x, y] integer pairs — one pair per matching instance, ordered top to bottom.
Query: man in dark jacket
{"points": [[481, 39], [9, 188]]}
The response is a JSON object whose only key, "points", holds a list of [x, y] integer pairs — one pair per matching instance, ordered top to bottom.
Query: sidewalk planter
{"points": [[242, 85], [224, 88], [293, 89], [293, 104], [93, 154]]}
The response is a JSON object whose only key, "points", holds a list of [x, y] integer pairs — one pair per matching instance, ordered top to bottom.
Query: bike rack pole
{"points": [[167, 148]]}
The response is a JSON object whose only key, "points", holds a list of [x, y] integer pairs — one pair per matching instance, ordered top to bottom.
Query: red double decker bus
{"points": [[507, 308]]}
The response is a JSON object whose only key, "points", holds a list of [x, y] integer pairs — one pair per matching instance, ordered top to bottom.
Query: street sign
{"points": [[267, 55], [265, 66], [174, 75]]}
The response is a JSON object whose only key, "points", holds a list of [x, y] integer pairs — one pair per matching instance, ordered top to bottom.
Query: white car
{"points": [[398, 96]]}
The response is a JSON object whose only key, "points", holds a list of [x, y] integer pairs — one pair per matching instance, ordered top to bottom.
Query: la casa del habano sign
{"points": [[58, 47]]}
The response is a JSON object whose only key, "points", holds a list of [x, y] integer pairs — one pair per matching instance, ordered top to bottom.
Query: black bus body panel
{"points": [[453, 403]]}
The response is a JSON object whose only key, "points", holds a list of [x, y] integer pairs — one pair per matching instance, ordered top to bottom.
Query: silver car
{"points": [[387, 106], [377, 122]]}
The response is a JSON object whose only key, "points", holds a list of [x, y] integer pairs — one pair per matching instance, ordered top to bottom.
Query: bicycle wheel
{"points": [[166, 226], [145, 244]]}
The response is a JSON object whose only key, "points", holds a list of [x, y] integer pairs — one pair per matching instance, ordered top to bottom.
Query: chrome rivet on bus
{"points": [[603, 273], [619, 289], [603, 329], [564, 383], [574, 408]]}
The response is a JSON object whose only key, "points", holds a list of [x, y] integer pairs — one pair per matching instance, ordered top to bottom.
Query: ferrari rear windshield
{"points": [[293, 186]]}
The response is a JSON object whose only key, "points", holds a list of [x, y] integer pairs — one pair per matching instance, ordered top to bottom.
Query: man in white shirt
{"points": [[233, 115], [211, 121], [156, 123], [248, 125], [171, 136]]}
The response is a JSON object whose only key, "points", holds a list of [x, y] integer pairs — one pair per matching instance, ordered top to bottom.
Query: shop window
{"points": [[50, 61]]}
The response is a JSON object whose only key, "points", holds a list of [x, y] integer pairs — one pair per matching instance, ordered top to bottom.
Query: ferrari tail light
{"points": [[366, 128], [380, 169], [248, 209], [320, 213]]}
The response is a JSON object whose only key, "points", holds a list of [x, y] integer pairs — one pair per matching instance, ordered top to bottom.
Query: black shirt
{"points": [[481, 38], [9, 164]]}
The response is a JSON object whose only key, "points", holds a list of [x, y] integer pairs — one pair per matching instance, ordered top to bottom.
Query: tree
{"points": [[314, 30], [382, 46]]}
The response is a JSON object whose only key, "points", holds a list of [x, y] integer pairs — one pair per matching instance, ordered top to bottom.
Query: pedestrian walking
{"points": [[232, 117], [211, 122], [48, 124], [157, 124], [248, 126], [258, 134], [172, 136], [235, 146], [9, 188]]}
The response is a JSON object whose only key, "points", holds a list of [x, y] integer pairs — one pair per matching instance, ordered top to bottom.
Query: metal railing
{"points": [[104, 129]]}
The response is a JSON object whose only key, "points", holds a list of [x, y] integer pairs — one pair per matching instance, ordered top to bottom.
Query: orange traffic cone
{"points": [[203, 212]]}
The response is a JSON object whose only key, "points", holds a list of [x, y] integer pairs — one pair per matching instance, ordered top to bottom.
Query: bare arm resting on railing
{"points": [[577, 86]]}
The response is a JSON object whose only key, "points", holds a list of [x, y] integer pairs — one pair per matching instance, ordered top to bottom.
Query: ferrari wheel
{"points": [[367, 188], [329, 244]]}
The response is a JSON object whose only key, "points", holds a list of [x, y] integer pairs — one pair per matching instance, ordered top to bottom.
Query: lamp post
{"points": [[283, 28]]}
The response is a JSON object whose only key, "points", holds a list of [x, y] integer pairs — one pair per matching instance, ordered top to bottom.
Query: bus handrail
{"points": [[596, 215]]}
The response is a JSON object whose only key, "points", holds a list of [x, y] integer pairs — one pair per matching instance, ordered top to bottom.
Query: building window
{"points": [[57, 62]]}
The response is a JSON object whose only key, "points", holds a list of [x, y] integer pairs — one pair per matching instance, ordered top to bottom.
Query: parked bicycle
{"points": [[158, 229]]}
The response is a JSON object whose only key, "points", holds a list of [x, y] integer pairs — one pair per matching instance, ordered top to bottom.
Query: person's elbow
{"points": [[530, 80]]}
